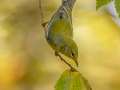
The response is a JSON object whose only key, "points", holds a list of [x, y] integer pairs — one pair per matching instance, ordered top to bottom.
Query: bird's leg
{"points": [[62, 59]]}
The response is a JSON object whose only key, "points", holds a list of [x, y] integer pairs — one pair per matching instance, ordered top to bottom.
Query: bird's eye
{"points": [[72, 54]]}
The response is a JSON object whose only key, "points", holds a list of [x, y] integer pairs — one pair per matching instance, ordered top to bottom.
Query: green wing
{"points": [[61, 22], [63, 27]]}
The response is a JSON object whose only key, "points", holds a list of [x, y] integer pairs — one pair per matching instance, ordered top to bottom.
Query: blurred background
{"points": [[27, 62]]}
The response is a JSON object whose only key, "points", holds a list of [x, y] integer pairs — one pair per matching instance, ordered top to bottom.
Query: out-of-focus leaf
{"points": [[100, 3], [117, 6], [72, 80]]}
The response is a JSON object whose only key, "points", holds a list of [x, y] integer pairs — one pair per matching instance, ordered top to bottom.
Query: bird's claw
{"points": [[44, 24]]}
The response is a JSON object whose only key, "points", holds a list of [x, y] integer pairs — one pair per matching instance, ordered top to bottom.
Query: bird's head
{"points": [[70, 49], [73, 53]]}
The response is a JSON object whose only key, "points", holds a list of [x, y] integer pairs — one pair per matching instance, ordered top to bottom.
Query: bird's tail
{"points": [[69, 3]]}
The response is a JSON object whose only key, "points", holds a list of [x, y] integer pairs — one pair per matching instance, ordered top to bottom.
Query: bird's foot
{"points": [[44, 24]]}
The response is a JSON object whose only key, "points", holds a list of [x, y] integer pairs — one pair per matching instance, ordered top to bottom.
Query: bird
{"points": [[59, 31]]}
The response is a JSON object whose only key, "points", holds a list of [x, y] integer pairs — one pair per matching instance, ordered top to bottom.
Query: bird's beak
{"points": [[76, 62]]}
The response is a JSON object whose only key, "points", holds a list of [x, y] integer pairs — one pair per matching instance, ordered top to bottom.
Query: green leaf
{"points": [[100, 3], [117, 6], [72, 80]]}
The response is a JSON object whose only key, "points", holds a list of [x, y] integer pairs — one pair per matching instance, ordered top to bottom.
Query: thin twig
{"points": [[41, 12], [62, 59], [86, 81]]}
